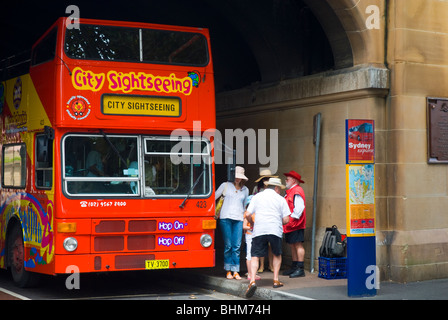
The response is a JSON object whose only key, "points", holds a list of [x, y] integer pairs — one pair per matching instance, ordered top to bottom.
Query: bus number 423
{"points": [[201, 204]]}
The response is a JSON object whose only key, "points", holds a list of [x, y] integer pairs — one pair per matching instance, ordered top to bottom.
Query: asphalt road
{"points": [[138, 285]]}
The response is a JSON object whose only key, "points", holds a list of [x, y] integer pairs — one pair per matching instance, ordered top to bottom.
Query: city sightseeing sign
{"points": [[128, 82]]}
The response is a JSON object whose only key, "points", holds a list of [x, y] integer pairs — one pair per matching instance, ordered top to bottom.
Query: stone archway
{"points": [[344, 22], [292, 39], [340, 44]]}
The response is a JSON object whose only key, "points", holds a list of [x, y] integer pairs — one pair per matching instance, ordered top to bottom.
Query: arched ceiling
{"points": [[254, 42]]}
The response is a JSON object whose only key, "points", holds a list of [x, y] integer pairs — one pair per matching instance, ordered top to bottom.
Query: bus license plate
{"points": [[157, 264]]}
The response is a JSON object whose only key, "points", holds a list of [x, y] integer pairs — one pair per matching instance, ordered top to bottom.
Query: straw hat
{"points": [[239, 173], [265, 173], [274, 182]]}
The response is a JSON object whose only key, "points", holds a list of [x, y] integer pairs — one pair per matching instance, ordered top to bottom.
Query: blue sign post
{"points": [[360, 186], [362, 271]]}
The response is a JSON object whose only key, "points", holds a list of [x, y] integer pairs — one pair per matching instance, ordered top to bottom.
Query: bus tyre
{"points": [[16, 256]]}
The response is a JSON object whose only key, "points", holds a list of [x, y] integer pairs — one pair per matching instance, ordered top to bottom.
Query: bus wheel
{"points": [[16, 259]]}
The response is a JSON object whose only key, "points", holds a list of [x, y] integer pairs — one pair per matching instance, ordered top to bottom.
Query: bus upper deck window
{"points": [[96, 42], [182, 48], [45, 50]]}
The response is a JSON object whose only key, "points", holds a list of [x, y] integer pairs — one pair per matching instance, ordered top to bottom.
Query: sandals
{"points": [[234, 276], [277, 284], [251, 289]]}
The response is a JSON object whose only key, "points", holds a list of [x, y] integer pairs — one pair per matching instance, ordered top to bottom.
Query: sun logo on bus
{"points": [[78, 107]]}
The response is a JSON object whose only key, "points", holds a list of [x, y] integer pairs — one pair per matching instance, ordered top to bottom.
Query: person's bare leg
{"points": [[300, 252], [294, 255], [300, 257], [276, 263], [271, 267], [253, 268], [261, 268], [253, 271]]}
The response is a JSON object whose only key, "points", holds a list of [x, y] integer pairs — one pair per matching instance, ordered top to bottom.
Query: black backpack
{"points": [[332, 244]]}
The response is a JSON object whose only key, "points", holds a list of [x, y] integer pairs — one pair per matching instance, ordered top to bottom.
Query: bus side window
{"points": [[45, 50], [44, 162], [14, 166]]}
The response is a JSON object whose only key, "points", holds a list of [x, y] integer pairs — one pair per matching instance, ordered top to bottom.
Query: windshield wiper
{"points": [[113, 148], [182, 205]]}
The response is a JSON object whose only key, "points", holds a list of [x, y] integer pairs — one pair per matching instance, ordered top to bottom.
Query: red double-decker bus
{"points": [[92, 178]]}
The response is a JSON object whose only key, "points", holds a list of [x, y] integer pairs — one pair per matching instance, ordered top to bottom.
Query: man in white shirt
{"points": [[271, 213]]}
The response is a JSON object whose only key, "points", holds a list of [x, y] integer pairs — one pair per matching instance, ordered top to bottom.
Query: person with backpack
{"points": [[295, 229]]}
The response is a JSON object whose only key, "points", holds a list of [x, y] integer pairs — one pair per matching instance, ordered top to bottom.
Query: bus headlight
{"points": [[206, 240], [70, 244]]}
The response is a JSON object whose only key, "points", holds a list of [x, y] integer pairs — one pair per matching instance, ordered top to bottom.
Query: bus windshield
{"points": [[96, 42], [112, 165]]}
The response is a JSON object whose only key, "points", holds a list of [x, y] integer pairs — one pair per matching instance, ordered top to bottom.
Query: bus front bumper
{"points": [[134, 261]]}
